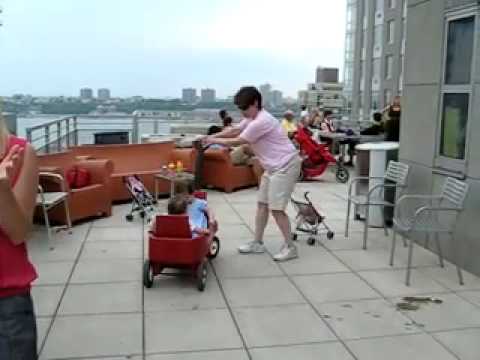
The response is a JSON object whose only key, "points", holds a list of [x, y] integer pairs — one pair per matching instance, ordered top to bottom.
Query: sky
{"points": [[155, 48]]}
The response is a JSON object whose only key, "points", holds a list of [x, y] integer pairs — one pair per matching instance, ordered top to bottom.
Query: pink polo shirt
{"points": [[268, 141]]}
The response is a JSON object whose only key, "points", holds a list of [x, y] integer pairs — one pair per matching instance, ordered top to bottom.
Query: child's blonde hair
{"points": [[184, 187], [177, 205]]}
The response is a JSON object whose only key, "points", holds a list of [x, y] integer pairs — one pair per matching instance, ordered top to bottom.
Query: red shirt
{"points": [[16, 271]]}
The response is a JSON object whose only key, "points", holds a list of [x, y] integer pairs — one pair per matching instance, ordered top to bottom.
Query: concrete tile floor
{"points": [[336, 301]]}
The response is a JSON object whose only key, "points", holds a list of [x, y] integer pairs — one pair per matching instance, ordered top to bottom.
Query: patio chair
{"points": [[395, 177], [48, 200], [423, 218]]}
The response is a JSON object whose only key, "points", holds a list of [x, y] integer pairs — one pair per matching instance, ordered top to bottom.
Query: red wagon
{"points": [[171, 245]]}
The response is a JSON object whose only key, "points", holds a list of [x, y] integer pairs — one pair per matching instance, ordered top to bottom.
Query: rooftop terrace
{"points": [[335, 302]]}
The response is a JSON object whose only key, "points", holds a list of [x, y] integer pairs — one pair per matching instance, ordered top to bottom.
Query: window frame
{"points": [[458, 166]]}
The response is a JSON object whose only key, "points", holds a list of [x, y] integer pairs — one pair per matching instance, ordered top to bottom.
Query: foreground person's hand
{"points": [[10, 166]]}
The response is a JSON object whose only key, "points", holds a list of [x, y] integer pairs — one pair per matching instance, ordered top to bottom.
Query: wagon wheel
{"points": [[214, 248], [202, 272], [147, 274]]}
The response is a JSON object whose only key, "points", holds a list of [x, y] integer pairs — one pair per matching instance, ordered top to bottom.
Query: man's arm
{"points": [[227, 133], [236, 141]]}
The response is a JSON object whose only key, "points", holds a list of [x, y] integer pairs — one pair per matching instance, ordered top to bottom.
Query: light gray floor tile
{"points": [[229, 232], [115, 234], [376, 240], [63, 247], [108, 250], [368, 259], [313, 260], [235, 265], [114, 270], [53, 273], [448, 277], [392, 282], [334, 287], [261, 291], [180, 293], [471, 296], [102, 298], [46, 299], [454, 313], [366, 318], [282, 325], [42, 327], [190, 331], [95, 336], [463, 343], [418, 346], [326, 351], [207, 355]]}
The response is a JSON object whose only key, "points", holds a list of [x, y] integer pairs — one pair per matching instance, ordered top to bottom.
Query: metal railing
{"points": [[58, 135]]}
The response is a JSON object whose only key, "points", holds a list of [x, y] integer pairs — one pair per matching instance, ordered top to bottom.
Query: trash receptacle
{"points": [[378, 157], [362, 166]]}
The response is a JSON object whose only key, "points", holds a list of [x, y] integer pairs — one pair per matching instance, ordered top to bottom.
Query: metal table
{"points": [[340, 138], [171, 176]]}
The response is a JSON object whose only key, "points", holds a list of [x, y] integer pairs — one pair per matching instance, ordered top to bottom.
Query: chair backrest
{"points": [[397, 172], [455, 192], [172, 226]]}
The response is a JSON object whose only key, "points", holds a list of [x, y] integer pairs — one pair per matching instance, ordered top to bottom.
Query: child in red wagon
{"points": [[201, 217]]}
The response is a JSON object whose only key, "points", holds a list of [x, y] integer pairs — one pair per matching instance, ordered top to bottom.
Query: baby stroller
{"points": [[317, 157], [142, 201], [309, 220], [171, 245]]}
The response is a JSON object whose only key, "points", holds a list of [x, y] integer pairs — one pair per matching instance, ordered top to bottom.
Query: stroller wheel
{"points": [[342, 175], [142, 214], [129, 217], [330, 235], [294, 237], [311, 241], [214, 248], [147, 274], [202, 276]]}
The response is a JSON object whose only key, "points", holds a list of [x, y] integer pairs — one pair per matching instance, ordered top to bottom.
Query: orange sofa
{"points": [[144, 160], [220, 173], [92, 200]]}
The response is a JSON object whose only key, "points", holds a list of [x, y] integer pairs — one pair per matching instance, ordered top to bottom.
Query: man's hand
{"points": [[10, 166]]}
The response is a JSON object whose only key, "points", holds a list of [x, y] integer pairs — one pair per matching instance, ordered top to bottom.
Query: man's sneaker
{"points": [[253, 247], [286, 253]]}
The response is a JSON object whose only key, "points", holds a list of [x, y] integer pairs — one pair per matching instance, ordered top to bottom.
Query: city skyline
{"points": [[131, 50]]}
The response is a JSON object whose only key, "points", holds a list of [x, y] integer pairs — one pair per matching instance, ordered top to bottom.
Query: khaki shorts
{"points": [[276, 187]]}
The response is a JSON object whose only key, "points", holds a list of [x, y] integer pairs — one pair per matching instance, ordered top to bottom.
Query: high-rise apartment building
{"points": [[374, 54], [326, 75], [266, 91], [86, 93], [103, 94], [189, 95], [208, 95], [276, 99]]}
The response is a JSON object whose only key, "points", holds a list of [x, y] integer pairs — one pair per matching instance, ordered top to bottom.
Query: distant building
{"points": [[374, 54], [326, 75], [266, 90], [86, 93], [103, 94], [189, 95], [207, 95], [324, 95], [276, 99]]}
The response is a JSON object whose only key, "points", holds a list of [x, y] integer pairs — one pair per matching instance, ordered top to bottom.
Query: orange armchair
{"points": [[92, 200]]}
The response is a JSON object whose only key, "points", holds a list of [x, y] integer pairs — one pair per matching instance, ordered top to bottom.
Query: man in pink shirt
{"points": [[278, 156]]}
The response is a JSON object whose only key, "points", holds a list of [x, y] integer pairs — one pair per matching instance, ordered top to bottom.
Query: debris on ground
{"points": [[412, 303]]}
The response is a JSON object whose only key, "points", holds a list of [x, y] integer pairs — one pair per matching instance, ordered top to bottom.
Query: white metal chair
{"points": [[395, 177], [48, 200], [422, 217]]}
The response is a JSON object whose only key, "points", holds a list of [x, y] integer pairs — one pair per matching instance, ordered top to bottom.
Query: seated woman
{"points": [[288, 124]]}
